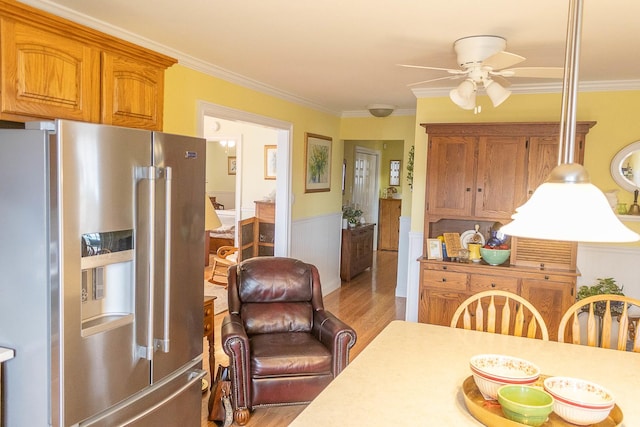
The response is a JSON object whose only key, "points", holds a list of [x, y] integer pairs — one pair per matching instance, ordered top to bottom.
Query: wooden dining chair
{"points": [[599, 306], [525, 314]]}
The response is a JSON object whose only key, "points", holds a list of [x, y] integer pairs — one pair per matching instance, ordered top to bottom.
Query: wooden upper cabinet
{"points": [[55, 68], [46, 75], [132, 93], [543, 152], [484, 171], [451, 175], [501, 178]]}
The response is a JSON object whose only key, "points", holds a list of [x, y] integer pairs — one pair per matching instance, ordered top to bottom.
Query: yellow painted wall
{"points": [[184, 87], [615, 113], [617, 126], [392, 128]]}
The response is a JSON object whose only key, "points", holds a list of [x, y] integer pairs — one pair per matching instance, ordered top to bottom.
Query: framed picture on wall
{"points": [[317, 156], [270, 161], [231, 165], [394, 172]]}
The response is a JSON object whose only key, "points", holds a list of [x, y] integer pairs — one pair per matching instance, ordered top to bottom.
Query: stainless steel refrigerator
{"points": [[101, 241]]}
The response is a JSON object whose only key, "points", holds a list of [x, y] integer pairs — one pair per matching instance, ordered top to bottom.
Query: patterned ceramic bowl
{"points": [[491, 371], [578, 401]]}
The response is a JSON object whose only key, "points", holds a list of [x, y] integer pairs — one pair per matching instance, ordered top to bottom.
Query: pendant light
{"points": [[567, 206]]}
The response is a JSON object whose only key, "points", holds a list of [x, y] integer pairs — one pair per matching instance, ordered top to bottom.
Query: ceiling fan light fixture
{"points": [[496, 92], [464, 96], [381, 110]]}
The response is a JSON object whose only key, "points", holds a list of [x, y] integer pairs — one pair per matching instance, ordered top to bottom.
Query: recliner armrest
{"points": [[336, 335], [235, 344]]}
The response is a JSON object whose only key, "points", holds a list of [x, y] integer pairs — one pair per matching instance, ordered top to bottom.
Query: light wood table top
{"points": [[412, 374]]}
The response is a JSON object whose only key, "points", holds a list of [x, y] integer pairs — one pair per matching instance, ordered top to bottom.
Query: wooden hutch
{"points": [[478, 173]]}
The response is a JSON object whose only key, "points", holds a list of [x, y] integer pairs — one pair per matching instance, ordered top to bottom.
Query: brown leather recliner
{"points": [[283, 347]]}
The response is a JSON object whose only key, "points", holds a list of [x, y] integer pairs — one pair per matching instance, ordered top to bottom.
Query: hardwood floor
{"points": [[367, 303]]}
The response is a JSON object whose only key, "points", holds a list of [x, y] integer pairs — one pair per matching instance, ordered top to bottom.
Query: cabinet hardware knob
{"points": [[468, 189], [479, 190], [444, 267], [546, 277], [444, 279], [493, 285]]}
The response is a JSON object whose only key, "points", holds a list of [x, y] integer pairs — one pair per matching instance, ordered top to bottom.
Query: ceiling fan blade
{"points": [[502, 60], [424, 67], [536, 72], [434, 80], [501, 80]]}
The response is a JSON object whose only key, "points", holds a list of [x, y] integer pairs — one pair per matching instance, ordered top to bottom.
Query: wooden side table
{"points": [[209, 333]]}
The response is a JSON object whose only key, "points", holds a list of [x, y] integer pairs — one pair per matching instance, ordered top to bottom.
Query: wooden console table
{"points": [[209, 332]]}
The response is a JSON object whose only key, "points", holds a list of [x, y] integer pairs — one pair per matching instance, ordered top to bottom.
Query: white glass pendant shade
{"points": [[496, 93], [464, 96], [568, 207]]}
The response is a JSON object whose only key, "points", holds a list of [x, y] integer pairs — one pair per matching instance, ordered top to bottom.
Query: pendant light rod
{"points": [[566, 148]]}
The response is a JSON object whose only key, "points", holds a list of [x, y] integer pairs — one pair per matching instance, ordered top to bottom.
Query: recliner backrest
{"points": [[275, 295]]}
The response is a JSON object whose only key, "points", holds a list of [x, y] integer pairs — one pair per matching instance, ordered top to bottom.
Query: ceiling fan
{"points": [[484, 62]]}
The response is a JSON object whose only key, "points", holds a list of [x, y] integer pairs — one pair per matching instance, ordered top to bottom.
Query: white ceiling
{"points": [[340, 56]]}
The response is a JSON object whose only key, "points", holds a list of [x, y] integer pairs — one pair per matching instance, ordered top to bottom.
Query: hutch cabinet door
{"points": [[45, 75], [543, 157], [450, 175], [501, 181], [551, 298], [438, 306]]}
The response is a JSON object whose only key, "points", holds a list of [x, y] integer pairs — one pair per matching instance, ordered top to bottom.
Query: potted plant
{"points": [[351, 215], [607, 285]]}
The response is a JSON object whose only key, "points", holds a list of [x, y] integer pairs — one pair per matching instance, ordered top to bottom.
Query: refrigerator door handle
{"points": [[162, 344], [145, 351]]}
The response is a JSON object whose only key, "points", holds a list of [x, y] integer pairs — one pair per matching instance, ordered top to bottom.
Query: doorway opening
{"points": [[281, 134]]}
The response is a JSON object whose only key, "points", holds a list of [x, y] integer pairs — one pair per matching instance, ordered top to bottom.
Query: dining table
{"points": [[412, 374]]}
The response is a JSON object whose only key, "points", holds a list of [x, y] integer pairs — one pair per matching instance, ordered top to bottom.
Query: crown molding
{"points": [[183, 59], [592, 86]]}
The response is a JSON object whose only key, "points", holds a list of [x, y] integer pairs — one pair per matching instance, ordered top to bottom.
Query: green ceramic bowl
{"points": [[495, 256], [524, 404]]}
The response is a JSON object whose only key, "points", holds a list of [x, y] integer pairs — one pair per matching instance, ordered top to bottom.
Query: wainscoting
{"points": [[316, 240], [619, 262]]}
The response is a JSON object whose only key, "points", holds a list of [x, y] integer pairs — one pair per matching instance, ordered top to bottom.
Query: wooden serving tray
{"points": [[489, 412]]}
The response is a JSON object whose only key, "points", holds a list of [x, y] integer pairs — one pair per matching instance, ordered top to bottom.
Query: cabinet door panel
{"points": [[48, 76], [132, 93], [543, 157], [450, 173], [501, 181], [551, 299], [437, 307]]}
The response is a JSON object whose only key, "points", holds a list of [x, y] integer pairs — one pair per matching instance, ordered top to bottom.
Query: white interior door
{"points": [[366, 186]]}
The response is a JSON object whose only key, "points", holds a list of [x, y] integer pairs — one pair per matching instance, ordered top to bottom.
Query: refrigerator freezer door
{"points": [[99, 186], [178, 275], [25, 288], [175, 401]]}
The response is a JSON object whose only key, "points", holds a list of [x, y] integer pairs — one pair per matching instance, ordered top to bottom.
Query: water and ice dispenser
{"points": [[107, 298]]}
